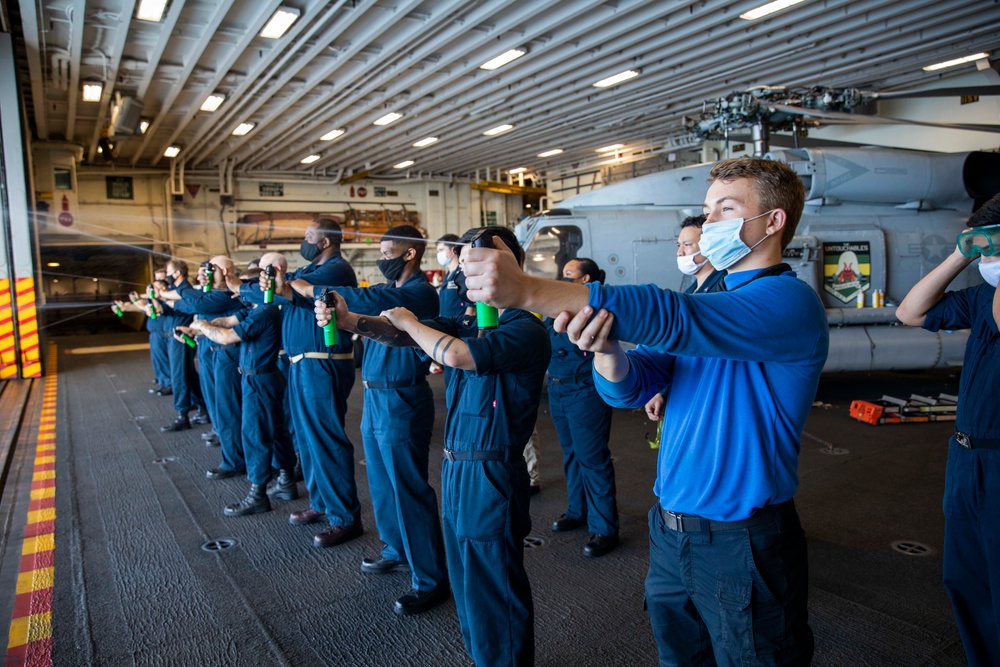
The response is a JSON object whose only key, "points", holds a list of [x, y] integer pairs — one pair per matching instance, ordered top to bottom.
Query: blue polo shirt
{"points": [[451, 305], [972, 308], [299, 332], [260, 337], [383, 363], [742, 367], [494, 407]]}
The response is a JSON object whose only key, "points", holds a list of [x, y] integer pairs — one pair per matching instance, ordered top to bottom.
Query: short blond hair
{"points": [[776, 185]]}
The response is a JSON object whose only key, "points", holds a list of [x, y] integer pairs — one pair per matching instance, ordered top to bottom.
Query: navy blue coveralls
{"points": [[712, 284], [451, 304], [159, 339], [183, 376], [220, 377], [317, 392], [583, 422], [396, 430], [264, 434], [972, 476], [484, 483]]}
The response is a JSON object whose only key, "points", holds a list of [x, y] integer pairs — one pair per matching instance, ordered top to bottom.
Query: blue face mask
{"points": [[721, 244]]}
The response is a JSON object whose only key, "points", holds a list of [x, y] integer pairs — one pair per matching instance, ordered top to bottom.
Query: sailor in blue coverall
{"points": [[257, 331], [158, 341], [219, 366], [183, 376], [319, 381], [494, 396], [583, 422], [397, 423], [972, 478]]}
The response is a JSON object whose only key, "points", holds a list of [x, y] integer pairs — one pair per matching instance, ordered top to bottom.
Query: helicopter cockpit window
{"points": [[551, 248]]}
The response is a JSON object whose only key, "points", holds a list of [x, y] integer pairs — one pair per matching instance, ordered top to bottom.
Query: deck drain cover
{"points": [[834, 451], [165, 459], [363, 462], [534, 541], [220, 544], [910, 548]]}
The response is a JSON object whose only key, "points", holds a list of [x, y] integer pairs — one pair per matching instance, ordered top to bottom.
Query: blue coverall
{"points": [[451, 304], [158, 342], [183, 376], [263, 388], [318, 391], [583, 422], [396, 430], [972, 476], [484, 483]]}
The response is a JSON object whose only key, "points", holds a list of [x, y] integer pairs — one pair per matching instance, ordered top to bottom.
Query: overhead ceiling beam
{"points": [[29, 28], [76, 57], [111, 77]]}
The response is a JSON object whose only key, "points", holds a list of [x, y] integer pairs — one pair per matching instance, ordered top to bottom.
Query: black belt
{"points": [[260, 371], [572, 379], [395, 384], [967, 441], [491, 455], [690, 523]]}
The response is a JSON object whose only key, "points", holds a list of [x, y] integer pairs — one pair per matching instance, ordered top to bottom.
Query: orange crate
{"points": [[867, 412]]}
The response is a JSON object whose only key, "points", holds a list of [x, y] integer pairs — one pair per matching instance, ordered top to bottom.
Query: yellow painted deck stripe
{"points": [[44, 474], [46, 492], [40, 516], [39, 543], [34, 580], [30, 629]]}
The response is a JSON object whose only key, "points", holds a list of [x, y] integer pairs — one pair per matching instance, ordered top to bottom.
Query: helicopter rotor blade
{"points": [[980, 91], [879, 120]]}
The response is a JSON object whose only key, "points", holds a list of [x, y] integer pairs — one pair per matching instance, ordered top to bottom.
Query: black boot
{"points": [[201, 417], [179, 424], [284, 488], [255, 503]]}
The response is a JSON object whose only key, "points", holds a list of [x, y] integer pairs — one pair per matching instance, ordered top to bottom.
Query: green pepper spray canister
{"points": [[270, 272], [209, 276], [150, 294], [117, 310], [487, 317], [330, 336]]}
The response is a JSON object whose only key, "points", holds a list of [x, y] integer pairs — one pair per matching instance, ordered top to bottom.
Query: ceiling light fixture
{"points": [[769, 8], [151, 10], [280, 22], [502, 59], [956, 61], [617, 78], [92, 92], [213, 102], [391, 117], [143, 126], [243, 129], [499, 129], [331, 135], [425, 142], [608, 149], [173, 151], [554, 151], [309, 159], [404, 164], [518, 170], [53, 264]]}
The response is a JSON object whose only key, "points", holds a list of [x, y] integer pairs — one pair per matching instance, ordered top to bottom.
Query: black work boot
{"points": [[201, 417], [179, 424], [284, 488], [255, 503]]}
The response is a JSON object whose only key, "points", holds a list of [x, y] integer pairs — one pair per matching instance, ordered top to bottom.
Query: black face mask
{"points": [[309, 251], [392, 268], [564, 279], [463, 291]]}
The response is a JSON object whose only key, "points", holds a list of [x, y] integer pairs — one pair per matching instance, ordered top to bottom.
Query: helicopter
{"points": [[874, 219]]}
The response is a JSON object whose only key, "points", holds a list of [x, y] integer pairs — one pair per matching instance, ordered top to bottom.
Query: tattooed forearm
{"points": [[381, 331], [440, 359]]}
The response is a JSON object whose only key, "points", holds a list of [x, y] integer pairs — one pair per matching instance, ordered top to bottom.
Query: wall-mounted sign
{"points": [[63, 178], [119, 187], [271, 189], [362, 191]]}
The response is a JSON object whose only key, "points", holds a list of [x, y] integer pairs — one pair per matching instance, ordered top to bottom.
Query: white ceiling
{"points": [[345, 63]]}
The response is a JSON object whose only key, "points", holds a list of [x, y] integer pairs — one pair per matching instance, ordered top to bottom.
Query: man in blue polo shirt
{"points": [[320, 379], [494, 395], [396, 426], [972, 479], [728, 575]]}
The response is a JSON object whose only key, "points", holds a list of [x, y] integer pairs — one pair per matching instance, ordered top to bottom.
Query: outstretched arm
{"points": [[930, 289], [378, 329], [220, 335], [442, 348]]}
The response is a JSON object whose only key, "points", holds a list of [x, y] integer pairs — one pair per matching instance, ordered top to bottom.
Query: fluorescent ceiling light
{"points": [[769, 8], [151, 10], [280, 22], [503, 59], [956, 61], [617, 78], [92, 92], [212, 102], [391, 117], [143, 126], [242, 129], [499, 129], [331, 135], [425, 142], [612, 147], [173, 151], [554, 151], [309, 159], [404, 164], [518, 170], [53, 264]]}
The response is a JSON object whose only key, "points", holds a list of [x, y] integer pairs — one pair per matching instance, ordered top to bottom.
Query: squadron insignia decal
{"points": [[846, 269]]}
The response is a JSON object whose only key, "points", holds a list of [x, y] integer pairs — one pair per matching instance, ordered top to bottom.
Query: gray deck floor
{"points": [[135, 587]]}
